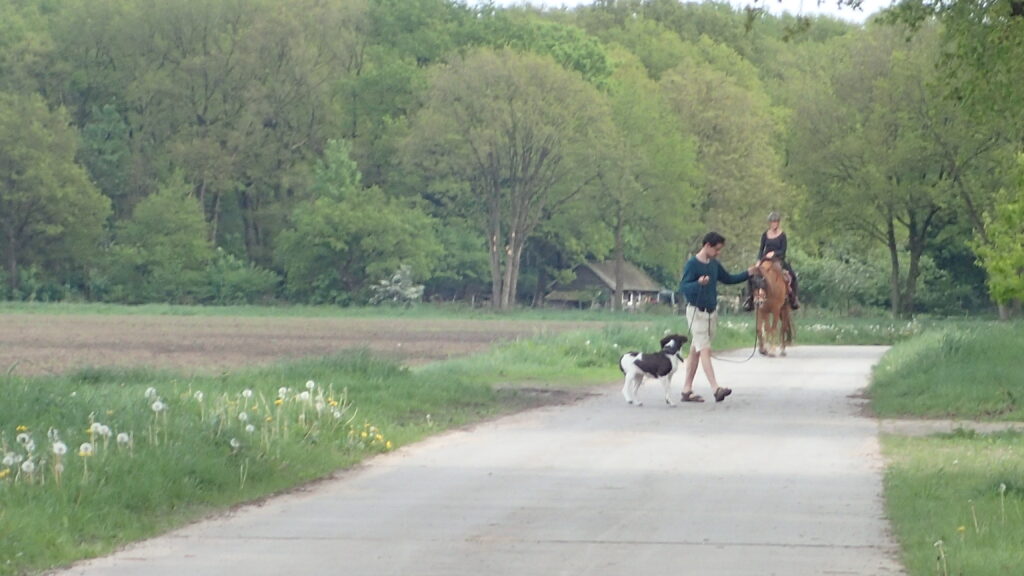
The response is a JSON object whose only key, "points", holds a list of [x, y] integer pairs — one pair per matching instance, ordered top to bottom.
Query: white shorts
{"points": [[702, 327]]}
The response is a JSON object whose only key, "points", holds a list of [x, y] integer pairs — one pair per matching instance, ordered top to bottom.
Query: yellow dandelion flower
{"points": [[278, 402], [333, 402], [255, 408], [269, 419], [21, 428], [363, 434], [379, 438], [388, 445], [4, 473], [961, 529]]}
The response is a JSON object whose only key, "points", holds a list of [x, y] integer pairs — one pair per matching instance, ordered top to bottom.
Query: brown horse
{"points": [[774, 325]]}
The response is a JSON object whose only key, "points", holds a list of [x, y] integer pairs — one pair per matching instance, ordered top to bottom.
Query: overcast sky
{"points": [[806, 7]]}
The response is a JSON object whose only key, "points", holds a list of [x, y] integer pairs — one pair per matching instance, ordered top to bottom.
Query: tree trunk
{"points": [[215, 218], [494, 245], [619, 259], [894, 259], [12, 263]]}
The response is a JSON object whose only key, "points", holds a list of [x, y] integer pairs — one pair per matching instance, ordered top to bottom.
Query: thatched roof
{"points": [[633, 278]]}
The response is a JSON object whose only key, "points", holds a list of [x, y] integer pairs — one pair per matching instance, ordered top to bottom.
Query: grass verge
{"points": [[961, 371], [956, 502]]}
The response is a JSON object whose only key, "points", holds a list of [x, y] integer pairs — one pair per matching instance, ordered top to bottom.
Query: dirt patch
{"points": [[33, 344]]}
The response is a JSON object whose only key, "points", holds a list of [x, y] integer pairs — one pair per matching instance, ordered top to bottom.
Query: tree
{"points": [[719, 101], [507, 137], [869, 149], [652, 180], [50, 213], [346, 238], [161, 253], [1002, 253]]}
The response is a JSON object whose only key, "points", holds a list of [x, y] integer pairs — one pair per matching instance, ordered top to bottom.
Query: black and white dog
{"points": [[661, 366]]}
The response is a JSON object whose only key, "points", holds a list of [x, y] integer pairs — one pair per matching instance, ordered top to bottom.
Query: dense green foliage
{"points": [[316, 147]]}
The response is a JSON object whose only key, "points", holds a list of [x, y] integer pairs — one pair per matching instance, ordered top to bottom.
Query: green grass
{"points": [[961, 370], [197, 456], [956, 502]]}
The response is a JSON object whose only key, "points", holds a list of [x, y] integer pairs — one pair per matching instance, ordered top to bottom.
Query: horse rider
{"points": [[773, 247]]}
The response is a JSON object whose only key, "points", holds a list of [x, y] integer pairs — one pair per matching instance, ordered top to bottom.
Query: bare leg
{"points": [[691, 370], [709, 370]]}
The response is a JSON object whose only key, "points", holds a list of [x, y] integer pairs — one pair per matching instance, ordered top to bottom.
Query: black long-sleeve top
{"points": [[777, 244]]}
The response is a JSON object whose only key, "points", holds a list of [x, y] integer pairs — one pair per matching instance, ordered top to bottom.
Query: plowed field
{"points": [[33, 344]]}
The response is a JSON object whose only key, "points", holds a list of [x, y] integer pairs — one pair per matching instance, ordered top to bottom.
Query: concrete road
{"points": [[782, 478]]}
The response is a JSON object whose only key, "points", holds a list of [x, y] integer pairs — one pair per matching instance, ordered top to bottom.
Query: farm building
{"points": [[594, 284]]}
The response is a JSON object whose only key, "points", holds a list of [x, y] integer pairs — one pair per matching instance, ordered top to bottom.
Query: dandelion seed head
{"points": [[310, 385], [282, 392], [150, 393], [247, 393], [198, 395], [304, 396], [158, 406], [337, 413], [243, 416], [95, 428], [250, 428], [105, 431], [53, 434], [23, 438], [123, 438], [235, 443], [30, 447], [60, 448], [85, 449], [9, 459], [28, 467]]}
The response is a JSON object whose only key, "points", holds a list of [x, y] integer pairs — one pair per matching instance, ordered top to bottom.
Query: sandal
{"points": [[721, 393], [691, 397]]}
